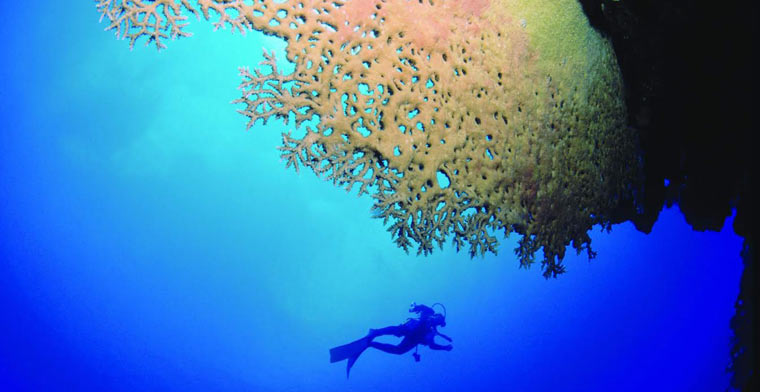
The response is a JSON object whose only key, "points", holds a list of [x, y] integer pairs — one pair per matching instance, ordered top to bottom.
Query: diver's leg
{"points": [[396, 330], [401, 348]]}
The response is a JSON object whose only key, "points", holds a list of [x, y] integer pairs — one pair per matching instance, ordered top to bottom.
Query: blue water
{"points": [[149, 243]]}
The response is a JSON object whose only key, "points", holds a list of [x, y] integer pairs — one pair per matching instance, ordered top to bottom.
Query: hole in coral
{"points": [[364, 89], [363, 130], [443, 180]]}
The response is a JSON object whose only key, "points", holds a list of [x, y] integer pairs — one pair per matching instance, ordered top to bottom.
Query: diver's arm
{"points": [[444, 336], [436, 346]]}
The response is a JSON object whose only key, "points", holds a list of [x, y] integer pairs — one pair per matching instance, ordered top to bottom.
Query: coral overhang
{"points": [[461, 119]]}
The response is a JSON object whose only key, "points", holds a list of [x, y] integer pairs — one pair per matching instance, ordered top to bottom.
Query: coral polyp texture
{"points": [[463, 120]]}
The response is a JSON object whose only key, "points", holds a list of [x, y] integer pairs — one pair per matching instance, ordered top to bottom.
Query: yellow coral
{"points": [[460, 118]]}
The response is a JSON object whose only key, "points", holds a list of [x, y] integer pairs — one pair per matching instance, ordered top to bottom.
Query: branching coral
{"points": [[460, 118]]}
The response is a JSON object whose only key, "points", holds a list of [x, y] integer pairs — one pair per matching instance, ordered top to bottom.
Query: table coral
{"points": [[461, 119]]}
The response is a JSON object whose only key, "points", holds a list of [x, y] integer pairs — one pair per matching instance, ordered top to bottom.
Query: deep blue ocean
{"points": [[149, 243]]}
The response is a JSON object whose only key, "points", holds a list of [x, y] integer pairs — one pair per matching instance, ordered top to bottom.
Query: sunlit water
{"points": [[150, 243]]}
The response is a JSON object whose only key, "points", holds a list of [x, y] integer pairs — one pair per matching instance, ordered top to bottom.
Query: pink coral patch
{"points": [[475, 7]]}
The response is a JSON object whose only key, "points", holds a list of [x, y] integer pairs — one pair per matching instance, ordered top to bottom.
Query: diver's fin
{"points": [[350, 350], [351, 362]]}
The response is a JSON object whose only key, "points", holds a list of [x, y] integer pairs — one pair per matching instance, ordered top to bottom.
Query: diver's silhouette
{"points": [[415, 331]]}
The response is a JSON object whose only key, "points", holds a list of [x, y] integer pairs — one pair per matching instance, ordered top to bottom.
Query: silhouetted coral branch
{"points": [[154, 19], [271, 94]]}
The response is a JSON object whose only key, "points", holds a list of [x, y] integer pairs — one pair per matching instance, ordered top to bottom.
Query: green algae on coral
{"points": [[517, 105]]}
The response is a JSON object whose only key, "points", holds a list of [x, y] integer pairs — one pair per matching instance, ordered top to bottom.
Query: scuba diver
{"points": [[415, 331]]}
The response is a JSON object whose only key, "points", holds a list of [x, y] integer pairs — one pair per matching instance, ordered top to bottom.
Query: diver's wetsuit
{"points": [[415, 331], [413, 334]]}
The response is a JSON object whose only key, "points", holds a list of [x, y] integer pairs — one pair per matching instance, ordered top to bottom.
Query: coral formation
{"points": [[461, 119]]}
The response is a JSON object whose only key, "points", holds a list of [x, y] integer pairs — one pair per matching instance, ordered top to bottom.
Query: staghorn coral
{"points": [[460, 118]]}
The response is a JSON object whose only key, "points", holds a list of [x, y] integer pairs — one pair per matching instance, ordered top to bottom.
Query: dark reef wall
{"points": [[691, 80]]}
